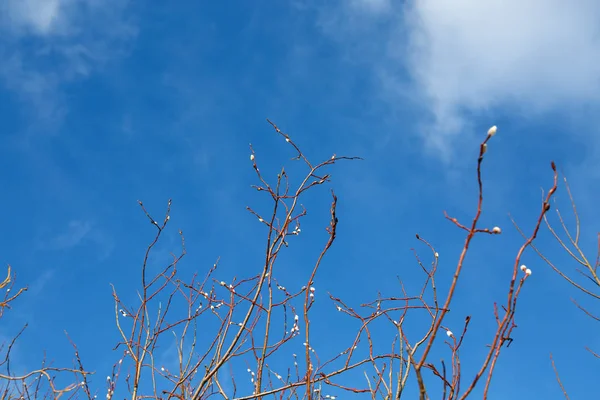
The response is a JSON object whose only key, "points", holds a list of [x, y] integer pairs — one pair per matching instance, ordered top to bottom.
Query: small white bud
{"points": [[492, 131], [287, 139], [484, 148], [251, 157], [261, 220], [496, 230], [436, 254], [523, 268], [527, 272], [312, 289], [339, 308], [449, 333], [162, 369]]}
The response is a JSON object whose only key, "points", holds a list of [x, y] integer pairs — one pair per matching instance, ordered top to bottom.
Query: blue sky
{"points": [[106, 102]]}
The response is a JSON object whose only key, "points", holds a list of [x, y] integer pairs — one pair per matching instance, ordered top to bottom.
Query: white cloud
{"points": [[39, 16], [63, 18], [47, 43], [471, 55], [467, 56]]}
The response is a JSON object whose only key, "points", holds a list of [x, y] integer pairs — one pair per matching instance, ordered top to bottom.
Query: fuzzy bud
{"points": [[492, 131], [496, 230]]}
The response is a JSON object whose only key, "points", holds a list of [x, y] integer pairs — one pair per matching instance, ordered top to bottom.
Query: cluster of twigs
{"points": [[587, 280], [245, 313], [221, 327], [413, 355], [39, 383]]}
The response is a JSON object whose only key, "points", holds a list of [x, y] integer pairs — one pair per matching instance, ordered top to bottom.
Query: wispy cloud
{"points": [[47, 43], [462, 57], [77, 233], [73, 235], [40, 282]]}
